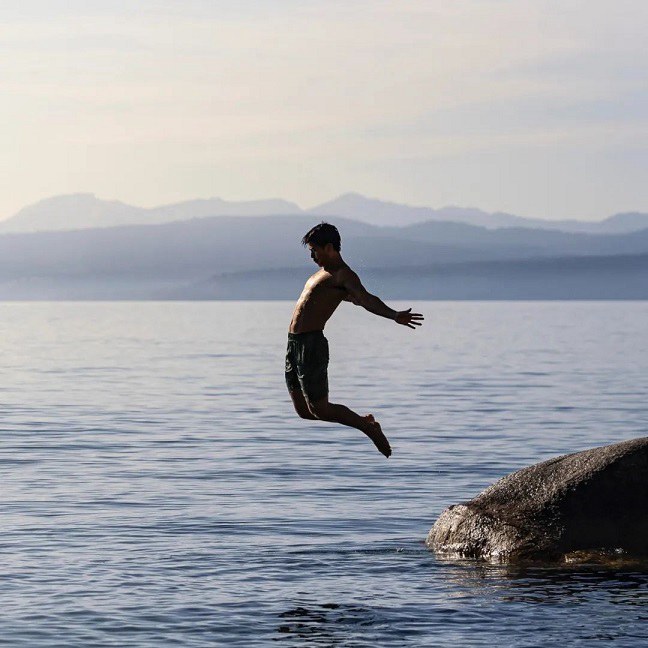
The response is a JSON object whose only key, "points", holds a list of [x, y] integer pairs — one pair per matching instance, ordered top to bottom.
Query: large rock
{"points": [[591, 500]]}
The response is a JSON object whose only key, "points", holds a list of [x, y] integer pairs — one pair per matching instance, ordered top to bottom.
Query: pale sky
{"points": [[534, 107]]}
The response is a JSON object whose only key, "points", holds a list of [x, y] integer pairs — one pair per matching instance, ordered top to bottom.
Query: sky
{"points": [[533, 107]]}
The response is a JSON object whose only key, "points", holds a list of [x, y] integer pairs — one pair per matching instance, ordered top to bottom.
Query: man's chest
{"points": [[322, 282]]}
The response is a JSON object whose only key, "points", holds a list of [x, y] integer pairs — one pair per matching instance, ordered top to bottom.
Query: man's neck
{"points": [[333, 265]]}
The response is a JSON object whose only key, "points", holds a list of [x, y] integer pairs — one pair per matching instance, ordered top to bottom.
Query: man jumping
{"points": [[307, 356]]}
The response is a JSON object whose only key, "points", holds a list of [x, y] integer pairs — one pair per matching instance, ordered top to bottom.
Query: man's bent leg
{"points": [[301, 406], [335, 413]]}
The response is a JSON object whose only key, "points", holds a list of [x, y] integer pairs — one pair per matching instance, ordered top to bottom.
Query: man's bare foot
{"points": [[375, 433]]}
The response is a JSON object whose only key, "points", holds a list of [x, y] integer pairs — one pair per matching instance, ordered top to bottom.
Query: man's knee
{"points": [[301, 406], [320, 409], [303, 412]]}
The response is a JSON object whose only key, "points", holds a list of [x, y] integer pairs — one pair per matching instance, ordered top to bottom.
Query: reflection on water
{"points": [[537, 584], [321, 624]]}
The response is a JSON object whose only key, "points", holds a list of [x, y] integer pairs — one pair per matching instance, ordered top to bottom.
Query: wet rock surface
{"points": [[591, 500]]}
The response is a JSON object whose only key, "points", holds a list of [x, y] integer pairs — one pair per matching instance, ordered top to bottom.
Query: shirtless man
{"points": [[307, 355]]}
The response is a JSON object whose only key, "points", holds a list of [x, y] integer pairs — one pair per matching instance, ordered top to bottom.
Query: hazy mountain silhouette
{"points": [[218, 207], [84, 211], [71, 212], [378, 212], [625, 222], [520, 242], [143, 261], [589, 277]]}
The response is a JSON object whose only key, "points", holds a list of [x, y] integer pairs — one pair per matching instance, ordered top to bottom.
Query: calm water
{"points": [[157, 489]]}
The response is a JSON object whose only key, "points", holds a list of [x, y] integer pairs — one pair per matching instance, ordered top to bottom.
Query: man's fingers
{"points": [[411, 320]]}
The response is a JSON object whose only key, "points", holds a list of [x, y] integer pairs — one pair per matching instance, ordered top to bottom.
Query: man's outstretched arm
{"points": [[360, 295]]}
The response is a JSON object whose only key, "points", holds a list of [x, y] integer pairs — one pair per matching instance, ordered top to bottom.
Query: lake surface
{"points": [[158, 490]]}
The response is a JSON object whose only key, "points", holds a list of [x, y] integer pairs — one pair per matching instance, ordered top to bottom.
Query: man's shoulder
{"points": [[344, 273], [347, 279]]}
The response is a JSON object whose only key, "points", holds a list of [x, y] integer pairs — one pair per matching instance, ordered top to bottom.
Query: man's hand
{"points": [[407, 318]]}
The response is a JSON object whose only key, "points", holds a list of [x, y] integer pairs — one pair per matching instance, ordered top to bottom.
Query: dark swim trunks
{"points": [[307, 359]]}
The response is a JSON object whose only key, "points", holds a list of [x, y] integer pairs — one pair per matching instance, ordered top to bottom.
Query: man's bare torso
{"points": [[318, 301]]}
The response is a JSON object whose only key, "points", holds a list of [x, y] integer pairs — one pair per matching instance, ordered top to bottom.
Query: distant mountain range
{"points": [[85, 211], [378, 212], [260, 257], [569, 278]]}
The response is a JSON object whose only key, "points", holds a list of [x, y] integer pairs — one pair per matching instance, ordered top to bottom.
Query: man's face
{"points": [[317, 253]]}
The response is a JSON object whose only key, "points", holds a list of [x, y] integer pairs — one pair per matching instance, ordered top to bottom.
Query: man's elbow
{"points": [[367, 301]]}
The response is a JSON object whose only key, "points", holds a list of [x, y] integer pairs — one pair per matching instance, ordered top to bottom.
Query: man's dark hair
{"points": [[322, 234]]}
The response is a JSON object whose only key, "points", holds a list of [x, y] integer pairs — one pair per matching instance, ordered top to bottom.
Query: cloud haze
{"points": [[534, 107]]}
